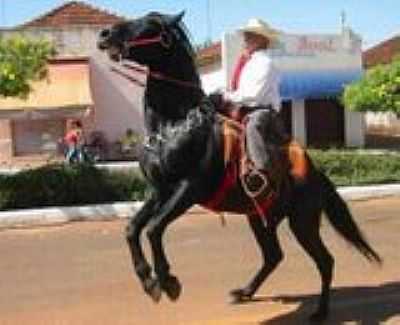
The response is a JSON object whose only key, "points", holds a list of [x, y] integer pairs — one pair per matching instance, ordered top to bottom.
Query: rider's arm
{"points": [[258, 84]]}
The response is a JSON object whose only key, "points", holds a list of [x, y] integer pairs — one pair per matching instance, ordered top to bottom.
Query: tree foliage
{"points": [[22, 61], [378, 90]]}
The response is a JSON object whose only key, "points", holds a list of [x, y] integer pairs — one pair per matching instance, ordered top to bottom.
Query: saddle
{"points": [[289, 159]]}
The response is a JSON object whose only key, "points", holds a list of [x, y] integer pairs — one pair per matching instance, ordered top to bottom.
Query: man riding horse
{"points": [[255, 89], [185, 161]]}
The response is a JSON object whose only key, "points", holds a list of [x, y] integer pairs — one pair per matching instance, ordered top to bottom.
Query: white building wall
{"points": [[79, 40], [212, 80], [118, 102], [299, 121], [382, 122], [354, 129]]}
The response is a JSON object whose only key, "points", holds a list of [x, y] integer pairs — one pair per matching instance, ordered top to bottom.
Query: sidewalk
{"points": [[113, 166], [62, 215]]}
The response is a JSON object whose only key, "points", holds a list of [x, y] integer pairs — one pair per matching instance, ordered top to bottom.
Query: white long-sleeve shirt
{"points": [[258, 83]]}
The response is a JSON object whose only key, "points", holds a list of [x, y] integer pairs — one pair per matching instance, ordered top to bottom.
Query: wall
{"points": [[69, 41], [212, 80], [118, 102], [382, 122], [355, 129], [6, 147]]}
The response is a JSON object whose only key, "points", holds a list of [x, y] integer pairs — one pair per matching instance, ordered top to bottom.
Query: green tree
{"points": [[22, 61], [378, 90]]}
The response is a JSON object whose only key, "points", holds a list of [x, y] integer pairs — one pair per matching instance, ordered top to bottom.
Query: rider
{"points": [[255, 86]]}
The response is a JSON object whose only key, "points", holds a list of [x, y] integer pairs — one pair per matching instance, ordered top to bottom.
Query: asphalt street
{"points": [[80, 273]]}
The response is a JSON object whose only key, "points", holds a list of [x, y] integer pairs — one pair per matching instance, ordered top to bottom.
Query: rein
{"points": [[153, 74]]}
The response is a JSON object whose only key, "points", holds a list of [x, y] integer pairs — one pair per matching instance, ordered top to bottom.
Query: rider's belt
{"points": [[250, 109]]}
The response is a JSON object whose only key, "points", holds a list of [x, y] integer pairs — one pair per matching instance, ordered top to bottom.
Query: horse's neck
{"points": [[166, 101]]}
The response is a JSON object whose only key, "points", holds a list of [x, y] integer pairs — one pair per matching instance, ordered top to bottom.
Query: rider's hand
{"points": [[217, 99]]}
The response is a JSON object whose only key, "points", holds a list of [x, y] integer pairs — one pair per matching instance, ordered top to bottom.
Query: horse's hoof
{"points": [[153, 288], [172, 288], [239, 296], [319, 316]]}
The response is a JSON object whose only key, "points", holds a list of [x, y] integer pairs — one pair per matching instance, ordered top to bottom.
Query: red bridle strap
{"points": [[145, 41]]}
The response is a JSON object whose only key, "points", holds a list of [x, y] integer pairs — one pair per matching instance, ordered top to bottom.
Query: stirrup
{"points": [[254, 183]]}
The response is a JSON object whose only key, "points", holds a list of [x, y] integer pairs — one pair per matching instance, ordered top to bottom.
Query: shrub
{"points": [[346, 167], [60, 185]]}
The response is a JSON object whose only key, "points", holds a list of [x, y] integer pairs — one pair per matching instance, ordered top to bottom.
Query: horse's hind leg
{"points": [[306, 229], [272, 254], [141, 266]]}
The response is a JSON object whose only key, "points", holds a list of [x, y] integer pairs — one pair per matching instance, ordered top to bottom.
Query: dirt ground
{"points": [[81, 273]]}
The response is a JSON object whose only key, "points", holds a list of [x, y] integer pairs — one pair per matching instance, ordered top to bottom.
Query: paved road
{"points": [[80, 273]]}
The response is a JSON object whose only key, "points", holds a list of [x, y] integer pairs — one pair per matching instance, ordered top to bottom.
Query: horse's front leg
{"points": [[180, 200], [142, 268]]}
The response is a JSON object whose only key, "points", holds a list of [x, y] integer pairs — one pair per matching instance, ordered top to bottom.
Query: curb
{"points": [[352, 193], [121, 210], [60, 215]]}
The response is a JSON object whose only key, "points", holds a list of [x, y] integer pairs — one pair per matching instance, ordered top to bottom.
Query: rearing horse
{"points": [[183, 159]]}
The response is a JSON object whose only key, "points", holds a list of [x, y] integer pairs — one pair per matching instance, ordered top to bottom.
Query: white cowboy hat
{"points": [[259, 27]]}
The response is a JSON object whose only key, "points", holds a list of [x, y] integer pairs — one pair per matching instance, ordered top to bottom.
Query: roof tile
{"points": [[74, 13], [382, 53]]}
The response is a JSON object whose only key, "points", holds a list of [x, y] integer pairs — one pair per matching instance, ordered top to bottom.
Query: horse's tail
{"points": [[341, 219]]}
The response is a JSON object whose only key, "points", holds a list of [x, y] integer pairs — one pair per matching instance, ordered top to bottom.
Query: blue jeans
{"points": [[264, 134], [74, 155]]}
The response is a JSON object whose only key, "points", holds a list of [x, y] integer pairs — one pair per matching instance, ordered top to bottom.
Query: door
{"points": [[324, 123], [37, 136]]}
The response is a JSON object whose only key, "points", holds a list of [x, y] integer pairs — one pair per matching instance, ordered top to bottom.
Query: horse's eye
{"points": [[105, 33]]}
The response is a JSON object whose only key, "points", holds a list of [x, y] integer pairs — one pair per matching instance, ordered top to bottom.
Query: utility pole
{"points": [[343, 20], [209, 27]]}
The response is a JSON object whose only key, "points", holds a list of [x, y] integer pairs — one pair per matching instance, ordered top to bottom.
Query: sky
{"points": [[374, 20]]}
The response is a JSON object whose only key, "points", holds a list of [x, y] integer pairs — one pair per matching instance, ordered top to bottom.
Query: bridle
{"points": [[165, 40]]}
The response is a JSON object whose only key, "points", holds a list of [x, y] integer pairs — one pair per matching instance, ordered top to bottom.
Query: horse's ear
{"points": [[176, 19]]}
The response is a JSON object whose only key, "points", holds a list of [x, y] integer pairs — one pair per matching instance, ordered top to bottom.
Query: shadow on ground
{"points": [[361, 305]]}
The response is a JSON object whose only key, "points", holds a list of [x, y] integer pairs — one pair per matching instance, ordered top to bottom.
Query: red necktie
{"points": [[238, 70]]}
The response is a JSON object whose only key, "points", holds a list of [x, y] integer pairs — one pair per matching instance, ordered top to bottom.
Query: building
{"points": [[381, 53], [314, 69], [80, 85], [31, 128], [382, 128]]}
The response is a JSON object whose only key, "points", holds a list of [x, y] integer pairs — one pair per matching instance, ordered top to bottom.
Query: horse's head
{"points": [[148, 40], [159, 42]]}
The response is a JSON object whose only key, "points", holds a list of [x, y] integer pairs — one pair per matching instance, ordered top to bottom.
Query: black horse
{"points": [[184, 162]]}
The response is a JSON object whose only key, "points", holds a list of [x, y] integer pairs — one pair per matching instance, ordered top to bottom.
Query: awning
{"points": [[316, 84], [66, 87]]}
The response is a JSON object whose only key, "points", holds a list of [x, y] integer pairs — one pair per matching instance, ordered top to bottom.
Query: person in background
{"points": [[255, 88], [74, 141], [129, 143]]}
